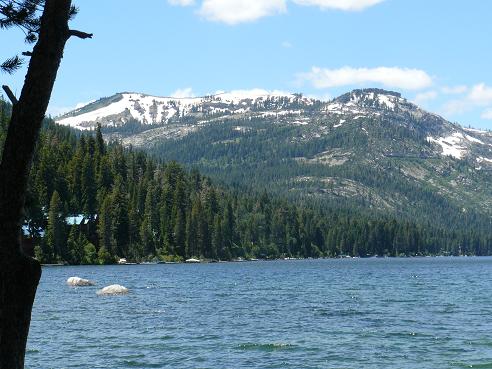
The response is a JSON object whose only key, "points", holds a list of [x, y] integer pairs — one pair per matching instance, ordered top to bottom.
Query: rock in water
{"points": [[80, 282], [114, 289]]}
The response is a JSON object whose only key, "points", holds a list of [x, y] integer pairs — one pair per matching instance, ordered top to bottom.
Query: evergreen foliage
{"points": [[373, 166], [143, 210]]}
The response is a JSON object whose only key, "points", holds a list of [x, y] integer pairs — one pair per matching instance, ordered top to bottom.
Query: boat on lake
{"points": [[192, 261]]}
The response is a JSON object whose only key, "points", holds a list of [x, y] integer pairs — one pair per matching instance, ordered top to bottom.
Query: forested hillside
{"points": [[367, 151], [346, 169], [140, 209]]}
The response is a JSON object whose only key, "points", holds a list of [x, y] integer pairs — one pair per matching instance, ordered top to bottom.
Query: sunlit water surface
{"points": [[347, 313]]}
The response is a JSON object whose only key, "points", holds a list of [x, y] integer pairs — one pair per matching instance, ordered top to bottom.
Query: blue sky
{"points": [[436, 53]]}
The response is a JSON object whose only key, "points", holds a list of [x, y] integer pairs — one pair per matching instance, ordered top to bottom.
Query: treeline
{"points": [[137, 208]]}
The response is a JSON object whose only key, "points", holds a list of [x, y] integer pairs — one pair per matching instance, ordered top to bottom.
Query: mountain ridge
{"points": [[122, 108], [109, 111], [366, 149]]}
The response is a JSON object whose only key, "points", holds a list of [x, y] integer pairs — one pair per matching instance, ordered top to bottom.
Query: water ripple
{"points": [[365, 313]]}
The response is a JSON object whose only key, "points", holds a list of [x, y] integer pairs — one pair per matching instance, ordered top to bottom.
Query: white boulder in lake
{"points": [[79, 282], [114, 289]]}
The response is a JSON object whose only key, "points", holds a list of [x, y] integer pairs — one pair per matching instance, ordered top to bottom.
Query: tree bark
{"points": [[19, 274]]}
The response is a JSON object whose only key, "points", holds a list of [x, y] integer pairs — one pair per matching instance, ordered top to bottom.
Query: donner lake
{"points": [[338, 313]]}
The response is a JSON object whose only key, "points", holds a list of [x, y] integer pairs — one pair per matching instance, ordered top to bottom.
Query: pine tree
{"points": [[100, 146], [76, 168], [104, 176], [88, 186], [165, 215], [179, 216], [120, 220], [105, 226], [146, 229], [228, 231], [55, 234], [180, 234], [190, 236], [134, 240], [195, 241], [217, 241], [75, 249], [90, 253], [104, 257]]}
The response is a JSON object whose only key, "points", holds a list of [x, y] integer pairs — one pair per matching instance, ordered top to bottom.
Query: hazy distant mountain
{"points": [[368, 148]]}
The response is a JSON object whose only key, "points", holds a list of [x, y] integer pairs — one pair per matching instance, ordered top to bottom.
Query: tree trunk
{"points": [[19, 274]]}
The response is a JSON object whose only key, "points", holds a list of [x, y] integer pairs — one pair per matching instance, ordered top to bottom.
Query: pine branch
{"points": [[73, 12], [24, 14], [80, 34], [31, 37], [11, 65], [10, 94]]}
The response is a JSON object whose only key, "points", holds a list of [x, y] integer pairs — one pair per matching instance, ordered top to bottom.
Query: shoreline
{"points": [[272, 260]]}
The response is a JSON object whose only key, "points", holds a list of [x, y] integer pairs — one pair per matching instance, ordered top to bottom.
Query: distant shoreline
{"points": [[271, 260]]}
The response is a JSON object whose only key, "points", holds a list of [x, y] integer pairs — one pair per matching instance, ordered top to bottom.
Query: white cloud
{"points": [[181, 2], [347, 5], [234, 12], [286, 44], [394, 77], [454, 90], [183, 92], [480, 95], [424, 97], [455, 107], [487, 114]]}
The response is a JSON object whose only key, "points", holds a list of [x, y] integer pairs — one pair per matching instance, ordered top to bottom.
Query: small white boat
{"points": [[192, 261]]}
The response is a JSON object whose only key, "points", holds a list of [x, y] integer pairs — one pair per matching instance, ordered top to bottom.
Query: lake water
{"points": [[346, 313]]}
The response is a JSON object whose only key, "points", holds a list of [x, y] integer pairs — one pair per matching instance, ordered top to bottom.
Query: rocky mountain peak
{"points": [[374, 98]]}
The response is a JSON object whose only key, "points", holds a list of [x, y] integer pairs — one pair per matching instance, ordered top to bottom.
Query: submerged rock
{"points": [[80, 282], [114, 289]]}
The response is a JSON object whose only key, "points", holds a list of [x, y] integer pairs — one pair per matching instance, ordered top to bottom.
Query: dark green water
{"points": [[348, 313]]}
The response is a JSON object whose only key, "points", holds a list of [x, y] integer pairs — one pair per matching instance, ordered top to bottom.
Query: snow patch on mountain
{"points": [[388, 101], [367, 102], [121, 108], [341, 109], [176, 117], [340, 123], [242, 129], [478, 131], [473, 139], [459, 144], [451, 145], [481, 159]]}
